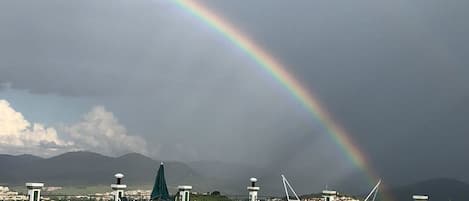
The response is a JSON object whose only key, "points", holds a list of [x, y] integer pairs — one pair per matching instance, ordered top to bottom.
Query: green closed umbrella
{"points": [[160, 190]]}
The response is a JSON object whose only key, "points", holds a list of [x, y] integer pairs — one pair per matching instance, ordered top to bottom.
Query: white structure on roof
{"points": [[285, 184], [118, 188], [253, 189], [34, 191], [184, 192], [373, 192], [329, 195], [420, 197]]}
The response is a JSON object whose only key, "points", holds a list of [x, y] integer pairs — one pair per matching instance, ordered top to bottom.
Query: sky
{"points": [[146, 76]]}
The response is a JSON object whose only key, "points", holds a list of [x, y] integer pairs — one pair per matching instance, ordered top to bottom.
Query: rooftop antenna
{"points": [[285, 184], [373, 192]]}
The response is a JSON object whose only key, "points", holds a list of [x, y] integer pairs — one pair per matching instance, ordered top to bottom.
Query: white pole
{"points": [[285, 184], [118, 188], [253, 189], [373, 190], [34, 191], [184, 193]]}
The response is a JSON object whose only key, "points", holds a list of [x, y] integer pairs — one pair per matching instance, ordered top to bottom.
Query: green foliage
{"points": [[209, 198]]}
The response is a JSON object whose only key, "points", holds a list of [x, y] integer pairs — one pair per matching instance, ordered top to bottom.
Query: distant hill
{"points": [[87, 168], [79, 169], [92, 169], [231, 176], [438, 189]]}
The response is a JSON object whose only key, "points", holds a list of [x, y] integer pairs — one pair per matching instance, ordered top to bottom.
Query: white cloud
{"points": [[98, 131], [18, 135]]}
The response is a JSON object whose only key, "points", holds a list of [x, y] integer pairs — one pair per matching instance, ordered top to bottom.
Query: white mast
{"points": [[285, 184], [374, 190]]}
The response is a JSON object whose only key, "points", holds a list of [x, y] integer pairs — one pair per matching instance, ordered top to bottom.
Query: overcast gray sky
{"points": [[146, 76]]}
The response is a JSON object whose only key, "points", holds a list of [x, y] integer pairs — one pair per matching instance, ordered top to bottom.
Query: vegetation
{"points": [[209, 198]]}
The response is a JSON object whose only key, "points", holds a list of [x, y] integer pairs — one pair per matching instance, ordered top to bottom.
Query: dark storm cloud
{"points": [[91, 48], [394, 74], [165, 75]]}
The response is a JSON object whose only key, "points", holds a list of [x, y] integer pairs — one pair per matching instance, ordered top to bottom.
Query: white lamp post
{"points": [[118, 188], [253, 189], [34, 191], [184, 192], [329, 195]]}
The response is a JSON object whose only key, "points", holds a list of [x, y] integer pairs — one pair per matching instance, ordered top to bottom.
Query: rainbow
{"points": [[274, 68]]}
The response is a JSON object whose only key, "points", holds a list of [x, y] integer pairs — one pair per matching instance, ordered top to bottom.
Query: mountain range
{"points": [[87, 168]]}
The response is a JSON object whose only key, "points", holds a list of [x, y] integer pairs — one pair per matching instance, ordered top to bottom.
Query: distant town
{"points": [[118, 191], [39, 192], [7, 194]]}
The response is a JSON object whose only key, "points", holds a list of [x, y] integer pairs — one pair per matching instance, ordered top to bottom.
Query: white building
{"points": [[138, 194], [7, 195], [328, 195], [102, 196]]}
